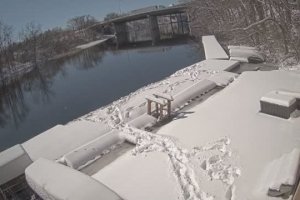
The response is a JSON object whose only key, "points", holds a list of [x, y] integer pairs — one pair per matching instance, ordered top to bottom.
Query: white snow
{"points": [[213, 49], [234, 114], [288, 166]]}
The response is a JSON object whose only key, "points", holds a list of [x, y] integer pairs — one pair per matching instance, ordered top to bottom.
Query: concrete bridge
{"points": [[153, 25]]}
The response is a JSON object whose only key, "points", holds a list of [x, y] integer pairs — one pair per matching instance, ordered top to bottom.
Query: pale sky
{"points": [[52, 13]]}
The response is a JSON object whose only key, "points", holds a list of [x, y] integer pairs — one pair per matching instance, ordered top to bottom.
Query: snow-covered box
{"points": [[278, 104]]}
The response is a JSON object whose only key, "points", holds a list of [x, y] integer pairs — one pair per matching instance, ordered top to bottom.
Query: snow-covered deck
{"points": [[234, 113], [221, 147]]}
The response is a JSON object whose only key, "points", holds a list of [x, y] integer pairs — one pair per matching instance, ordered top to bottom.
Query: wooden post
{"points": [[149, 107], [169, 108], [156, 109], [161, 111]]}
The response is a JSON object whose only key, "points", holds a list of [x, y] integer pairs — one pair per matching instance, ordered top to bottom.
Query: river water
{"points": [[65, 89]]}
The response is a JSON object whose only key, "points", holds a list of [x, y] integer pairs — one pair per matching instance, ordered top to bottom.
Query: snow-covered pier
{"points": [[212, 48], [213, 147]]}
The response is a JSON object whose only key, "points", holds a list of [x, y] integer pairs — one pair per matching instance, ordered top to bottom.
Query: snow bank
{"points": [[223, 79], [59, 140], [13, 162], [51, 180]]}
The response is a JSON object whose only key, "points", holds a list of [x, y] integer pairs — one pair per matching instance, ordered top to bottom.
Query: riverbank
{"points": [[21, 69]]}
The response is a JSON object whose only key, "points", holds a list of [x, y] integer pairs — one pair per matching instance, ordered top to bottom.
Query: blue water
{"points": [[67, 89]]}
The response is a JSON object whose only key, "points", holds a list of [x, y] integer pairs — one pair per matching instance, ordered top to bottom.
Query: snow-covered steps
{"points": [[213, 50], [281, 175]]}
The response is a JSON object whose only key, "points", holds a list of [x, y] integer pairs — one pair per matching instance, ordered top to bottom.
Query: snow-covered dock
{"points": [[216, 149]]}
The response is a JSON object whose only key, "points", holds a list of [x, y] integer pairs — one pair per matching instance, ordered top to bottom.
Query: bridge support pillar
{"points": [[154, 29], [121, 33]]}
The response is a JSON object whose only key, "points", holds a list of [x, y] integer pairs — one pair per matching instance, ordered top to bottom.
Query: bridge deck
{"points": [[137, 16]]}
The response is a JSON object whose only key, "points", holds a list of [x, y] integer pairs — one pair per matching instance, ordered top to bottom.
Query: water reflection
{"points": [[37, 83], [12, 105]]}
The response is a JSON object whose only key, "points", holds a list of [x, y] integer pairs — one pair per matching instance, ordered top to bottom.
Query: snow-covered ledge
{"points": [[51, 180]]}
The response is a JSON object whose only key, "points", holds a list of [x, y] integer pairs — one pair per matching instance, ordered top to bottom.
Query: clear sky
{"points": [[52, 13]]}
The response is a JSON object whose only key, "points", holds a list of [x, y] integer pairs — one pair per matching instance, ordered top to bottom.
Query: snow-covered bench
{"points": [[251, 55], [191, 92], [143, 121], [59, 140], [87, 153], [13, 163], [51, 180]]}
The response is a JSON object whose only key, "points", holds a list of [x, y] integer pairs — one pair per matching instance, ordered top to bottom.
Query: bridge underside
{"points": [[152, 28]]}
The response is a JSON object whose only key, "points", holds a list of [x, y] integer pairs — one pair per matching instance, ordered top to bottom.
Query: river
{"points": [[59, 91]]}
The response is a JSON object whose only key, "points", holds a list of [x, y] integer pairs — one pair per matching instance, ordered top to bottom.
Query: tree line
{"points": [[273, 25], [36, 45]]}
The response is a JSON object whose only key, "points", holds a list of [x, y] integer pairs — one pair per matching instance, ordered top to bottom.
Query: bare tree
{"points": [[81, 22], [255, 22], [31, 38], [6, 54]]}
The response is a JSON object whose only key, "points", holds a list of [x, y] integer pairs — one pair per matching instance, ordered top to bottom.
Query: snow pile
{"points": [[216, 165]]}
